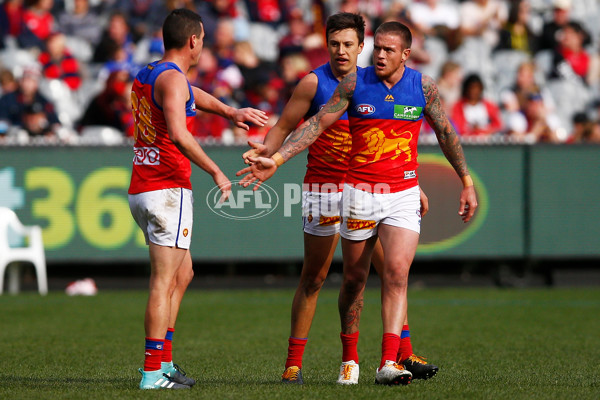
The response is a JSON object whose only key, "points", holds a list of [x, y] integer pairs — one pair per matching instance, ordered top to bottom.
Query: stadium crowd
{"points": [[522, 71]]}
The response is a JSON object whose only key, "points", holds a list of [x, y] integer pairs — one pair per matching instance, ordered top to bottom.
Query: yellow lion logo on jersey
{"points": [[378, 144]]}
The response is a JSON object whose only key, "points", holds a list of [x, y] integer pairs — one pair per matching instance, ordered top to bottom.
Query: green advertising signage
{"points": [[529, 205]]}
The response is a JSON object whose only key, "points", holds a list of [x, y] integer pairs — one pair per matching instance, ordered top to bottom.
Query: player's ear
{"points": [[360, 47], [405, 54]]}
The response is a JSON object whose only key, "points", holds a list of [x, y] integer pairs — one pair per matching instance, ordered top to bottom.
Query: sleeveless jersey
{"points": [[385, 125], [328, 156], [157, 162]]}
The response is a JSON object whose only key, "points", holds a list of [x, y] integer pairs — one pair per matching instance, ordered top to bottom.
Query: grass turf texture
{"points": [[488, 343]]}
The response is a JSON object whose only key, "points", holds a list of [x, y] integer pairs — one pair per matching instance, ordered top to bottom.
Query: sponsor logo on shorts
{"points": [[365, 109], [407, 112], [146, 156], [410, 174], [309, 218], [326, 221], [358, 224], [185, 232]]}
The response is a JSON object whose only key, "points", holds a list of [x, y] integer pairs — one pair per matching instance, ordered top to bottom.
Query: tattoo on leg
{"points": [[351, 319]]}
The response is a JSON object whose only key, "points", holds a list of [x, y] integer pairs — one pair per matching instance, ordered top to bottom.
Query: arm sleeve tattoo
{"points": [[444, 131], [307, 133]]}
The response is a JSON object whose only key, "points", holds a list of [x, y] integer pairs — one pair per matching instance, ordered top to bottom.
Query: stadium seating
{"points": [[28, 247]]}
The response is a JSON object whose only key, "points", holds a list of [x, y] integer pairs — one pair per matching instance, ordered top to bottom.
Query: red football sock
{"points": [[349, 344], [389, 347], [405, 349], [154, 350], [295, 352], [167, 355]]}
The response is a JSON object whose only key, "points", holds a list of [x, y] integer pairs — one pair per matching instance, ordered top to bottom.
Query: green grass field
{"points": [[488, 343]]}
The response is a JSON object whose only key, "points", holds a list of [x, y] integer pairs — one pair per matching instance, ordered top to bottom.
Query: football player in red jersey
{"points": [[160, 195]]}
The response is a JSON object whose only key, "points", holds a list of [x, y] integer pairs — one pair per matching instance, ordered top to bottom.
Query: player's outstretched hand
{"points": [[249, 114], [257, 150], [259, 170], [224, 185], [468, 203]]}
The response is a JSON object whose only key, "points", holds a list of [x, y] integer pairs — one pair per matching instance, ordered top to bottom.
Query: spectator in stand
{"points": [[214, 10], [267, 11], [561, 15], [143, 16], [482, 18], [11, 19], [437, 19], [81, 22], [38, 23], [516, 34], [116, 35], [224, 41], [293, 41], [314, 50], [571, 52], [58, 63], [293, 67], [213, 79], [8, 83], [449, 85], [526, 85], [261, 88], [112, 107], [27, 108], [473, 115], [209, 126], [542, 126], [582, 128], [594, 136]]}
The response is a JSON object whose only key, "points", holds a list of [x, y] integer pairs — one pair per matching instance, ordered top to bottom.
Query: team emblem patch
{"points": [[309, 218], [185, 232]]}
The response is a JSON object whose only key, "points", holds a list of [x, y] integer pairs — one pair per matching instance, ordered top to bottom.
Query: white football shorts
{"points": [[363, 211], [321, 212], [165, 216]]}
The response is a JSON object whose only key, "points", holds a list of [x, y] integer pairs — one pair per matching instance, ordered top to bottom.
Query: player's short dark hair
{"points": [[346, 20], [179, 26], [396, 28]]}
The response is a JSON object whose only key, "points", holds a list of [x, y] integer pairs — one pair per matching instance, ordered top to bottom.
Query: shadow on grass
{"points": [[6, 381]]}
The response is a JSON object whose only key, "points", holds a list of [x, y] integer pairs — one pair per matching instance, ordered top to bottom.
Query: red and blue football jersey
{"points": [[385, 124], [329, 155], [157, 162]]}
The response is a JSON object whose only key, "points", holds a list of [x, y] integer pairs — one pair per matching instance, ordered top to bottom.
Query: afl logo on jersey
{"points": [[365, 109]]}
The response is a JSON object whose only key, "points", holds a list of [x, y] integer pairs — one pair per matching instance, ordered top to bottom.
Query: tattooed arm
{"points": [[309, 131], [450, 145], [263, 168]]}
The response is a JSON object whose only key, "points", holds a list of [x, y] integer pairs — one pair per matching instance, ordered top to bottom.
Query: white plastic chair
{"points": [[32, 251]]}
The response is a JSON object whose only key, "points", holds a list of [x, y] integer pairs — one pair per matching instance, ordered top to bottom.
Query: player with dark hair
{"points": [[386, 104], [328, 159], [160, 195]]}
